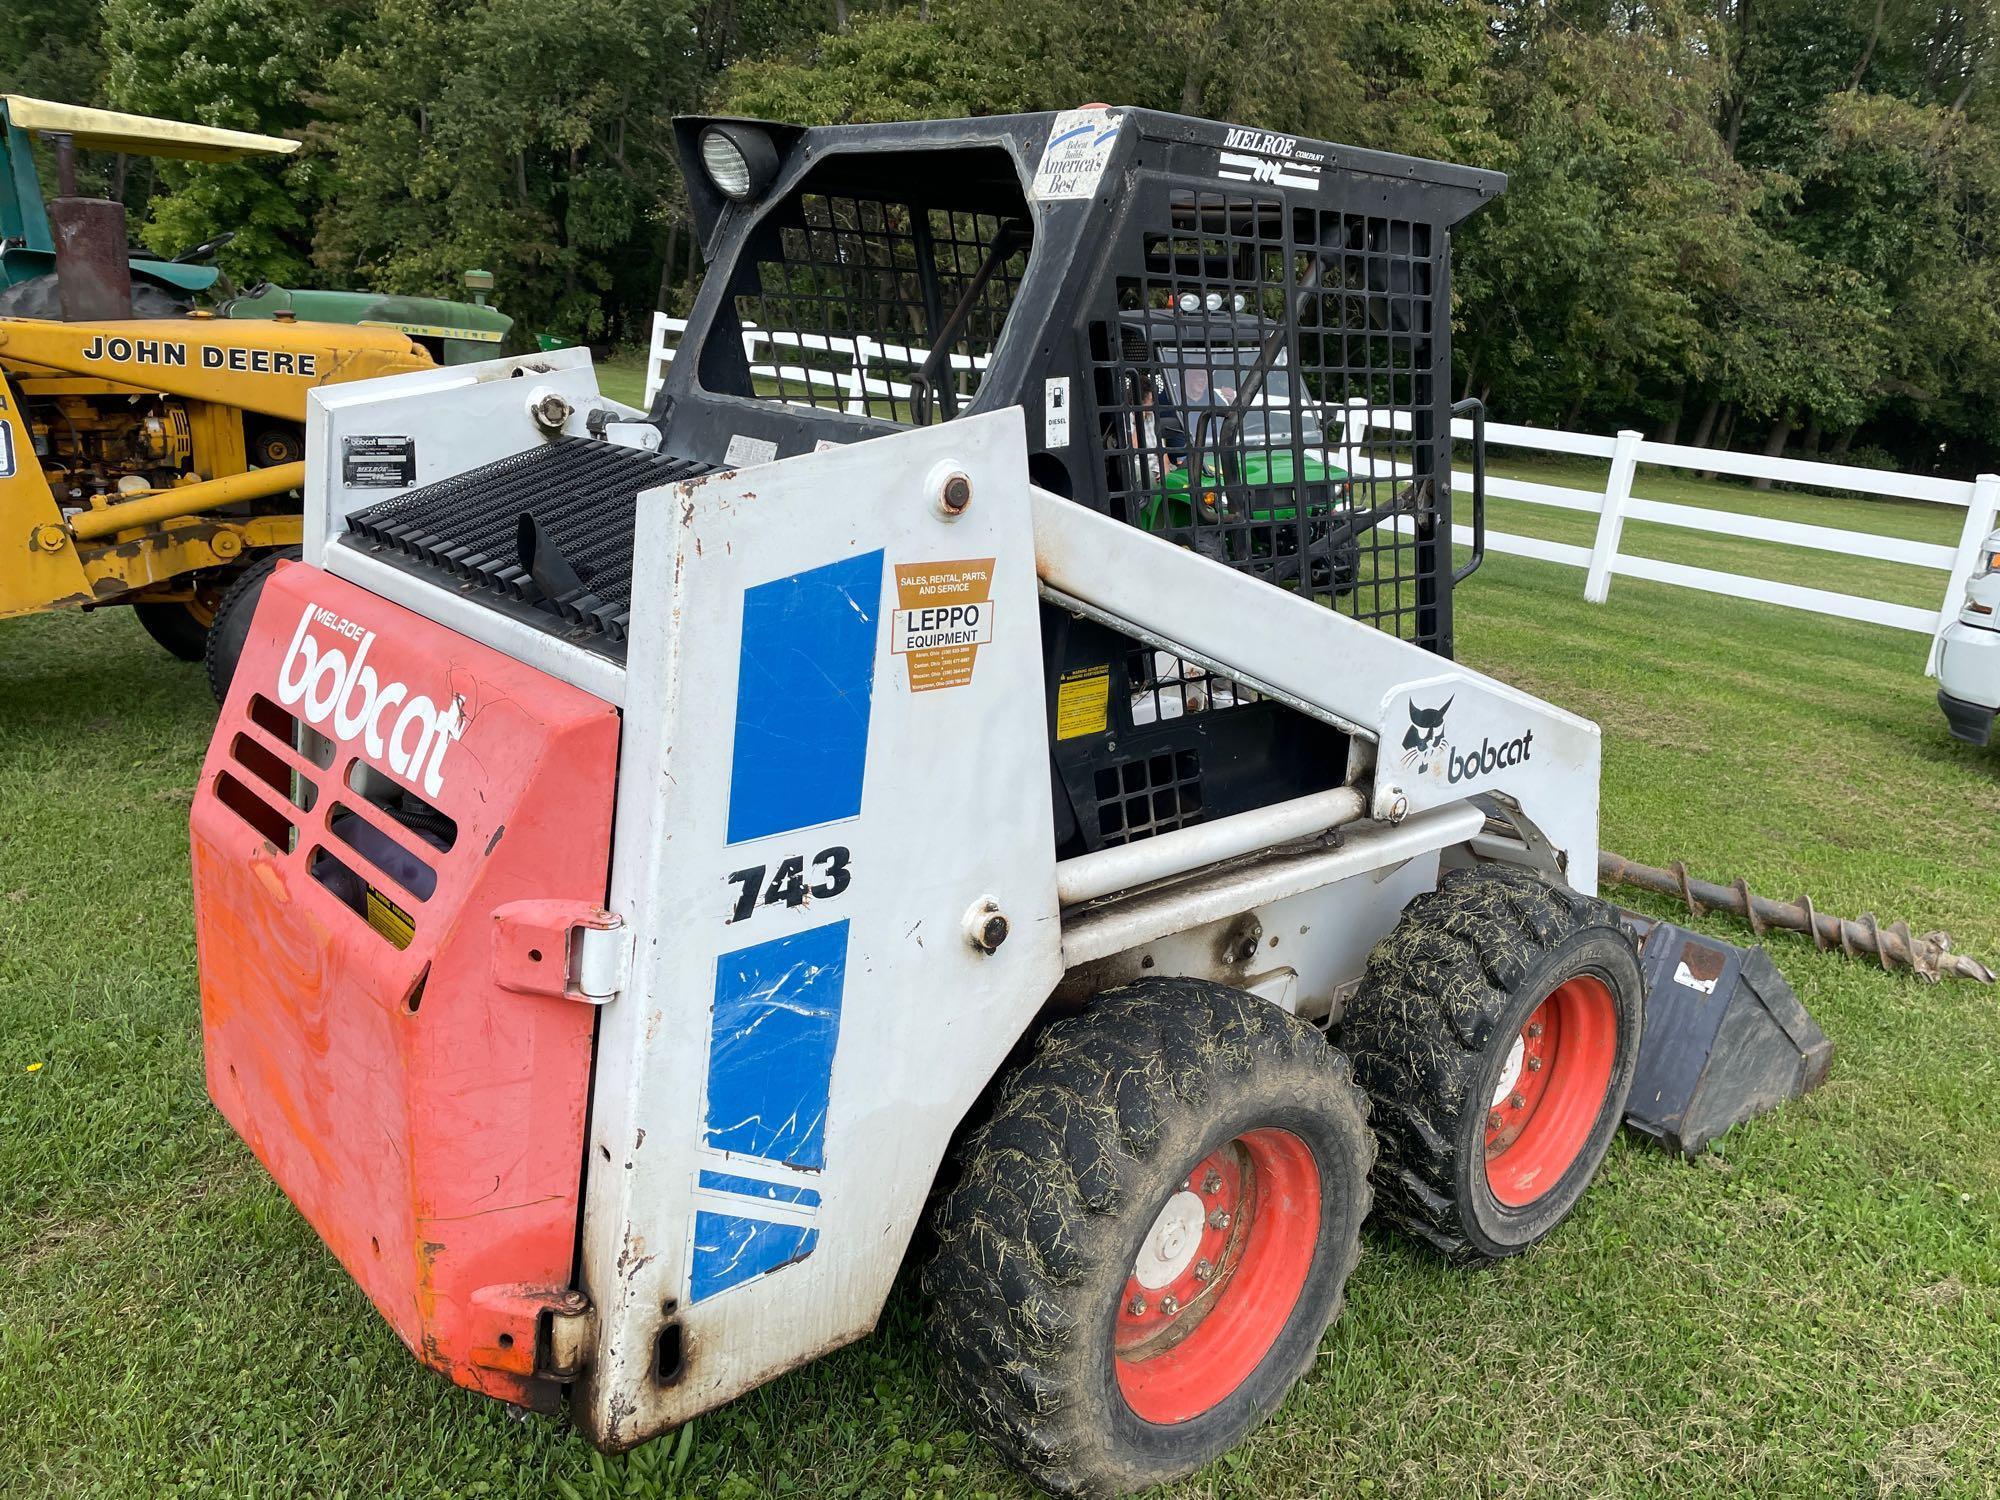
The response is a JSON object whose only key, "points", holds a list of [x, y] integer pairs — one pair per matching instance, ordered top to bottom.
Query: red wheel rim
{"points": [[1551, 1090], [1217, 1276]]}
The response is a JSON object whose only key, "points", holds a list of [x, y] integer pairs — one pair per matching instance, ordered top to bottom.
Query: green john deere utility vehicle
{"points": [[1223, 433]]}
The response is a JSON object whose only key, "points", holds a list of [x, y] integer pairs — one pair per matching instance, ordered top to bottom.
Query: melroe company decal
{"points": [[1267, 157], [1073, 162], [173, 354], [946, 615], [407, 734]]}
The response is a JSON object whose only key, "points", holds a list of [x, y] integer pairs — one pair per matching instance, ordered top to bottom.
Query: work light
{"points": [[740, 160]]}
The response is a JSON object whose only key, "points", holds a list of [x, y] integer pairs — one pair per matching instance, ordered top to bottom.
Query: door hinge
{"points": [[566, 948], [536, 1332]]}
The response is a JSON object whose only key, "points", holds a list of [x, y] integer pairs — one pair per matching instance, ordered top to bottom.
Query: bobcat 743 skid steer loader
{"points": [[649, 860]]}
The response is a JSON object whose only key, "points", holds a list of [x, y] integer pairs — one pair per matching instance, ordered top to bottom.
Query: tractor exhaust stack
{"points": [[93, 278]]}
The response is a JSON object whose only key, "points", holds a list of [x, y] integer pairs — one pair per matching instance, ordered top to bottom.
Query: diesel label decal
{"points": [[174, 355], [380, 461], [945, 616]]}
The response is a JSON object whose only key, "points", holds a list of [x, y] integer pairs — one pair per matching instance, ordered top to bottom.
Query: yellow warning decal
{"points": [[1083, 703], [390, 919]]}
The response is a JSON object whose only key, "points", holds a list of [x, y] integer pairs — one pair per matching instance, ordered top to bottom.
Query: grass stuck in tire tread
{"points": [[1430, 1031], [1061, 1185]]}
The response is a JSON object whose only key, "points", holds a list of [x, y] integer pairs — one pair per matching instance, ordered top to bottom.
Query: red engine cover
{"points": [[377, 790]]}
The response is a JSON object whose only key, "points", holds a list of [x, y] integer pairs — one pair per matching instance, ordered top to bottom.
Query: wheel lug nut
{"points": [[1534, 1028], [1534, 1065], [1517, 1100], [1494, 1119], [1212, 1183], [1218, 1220], [1203, 1271], [1136, 1306], [1169, 1306]]}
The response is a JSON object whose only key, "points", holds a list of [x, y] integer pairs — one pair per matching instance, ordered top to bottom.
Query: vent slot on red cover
{"points": [[288, 730], [273, 788], [274, 826], [435, 828], [386, 854], [385, 916]]}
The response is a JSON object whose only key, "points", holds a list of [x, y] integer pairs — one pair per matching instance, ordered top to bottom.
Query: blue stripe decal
{"points": [[804, 680], [770, 1046], [756, 1187], [730, 1250]]}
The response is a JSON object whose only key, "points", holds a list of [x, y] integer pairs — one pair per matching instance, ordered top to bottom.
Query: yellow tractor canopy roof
{"points": [[141, 135]]}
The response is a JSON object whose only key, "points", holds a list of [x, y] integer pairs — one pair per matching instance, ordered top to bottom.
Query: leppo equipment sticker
{"points": [[946, 615]]}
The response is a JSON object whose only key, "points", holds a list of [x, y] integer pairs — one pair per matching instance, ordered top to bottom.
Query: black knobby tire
{"points": [[232, 619], [180, 626], [1439, 1025], [1089, 1146]]}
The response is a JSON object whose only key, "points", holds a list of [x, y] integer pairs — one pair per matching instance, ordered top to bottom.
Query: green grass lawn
{"points": [[1812, 1309]]}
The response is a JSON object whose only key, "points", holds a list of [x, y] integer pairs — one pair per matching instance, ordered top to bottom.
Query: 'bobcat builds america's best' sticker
{"points": [[946, 615]]}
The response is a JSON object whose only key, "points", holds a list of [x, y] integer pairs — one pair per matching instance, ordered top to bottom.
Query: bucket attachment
{"points": [[1726, 1039]]}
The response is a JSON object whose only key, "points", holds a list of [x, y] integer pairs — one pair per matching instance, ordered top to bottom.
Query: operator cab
{"points": [[1236, 342]]}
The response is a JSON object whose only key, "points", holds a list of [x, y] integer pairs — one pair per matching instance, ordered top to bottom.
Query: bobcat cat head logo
{"points": [[1425, 736]]}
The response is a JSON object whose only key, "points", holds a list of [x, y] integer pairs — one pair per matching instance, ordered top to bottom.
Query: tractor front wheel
{"points": [[233, 615], [181, 625], [1496, 1032], [1152, 1231]]}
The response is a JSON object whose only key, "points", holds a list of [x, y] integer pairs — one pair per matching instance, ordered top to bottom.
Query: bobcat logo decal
{"points": [[1425, 737]]}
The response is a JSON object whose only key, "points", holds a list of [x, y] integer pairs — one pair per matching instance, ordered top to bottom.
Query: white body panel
{"points": [[952, 808]]}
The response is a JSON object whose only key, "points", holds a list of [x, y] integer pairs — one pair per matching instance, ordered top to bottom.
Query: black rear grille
{"points": [[583, 495]]}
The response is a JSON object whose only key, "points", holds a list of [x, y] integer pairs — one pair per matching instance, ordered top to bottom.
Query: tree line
{"points": [[1768, 224]]}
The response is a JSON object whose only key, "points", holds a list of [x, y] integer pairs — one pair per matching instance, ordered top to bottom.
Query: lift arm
{"points": [[1441, 731]]}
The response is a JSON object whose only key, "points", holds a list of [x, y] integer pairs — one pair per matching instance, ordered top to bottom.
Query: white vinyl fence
{"points": [[864, 357], [1977, 500], [1613, 506]]}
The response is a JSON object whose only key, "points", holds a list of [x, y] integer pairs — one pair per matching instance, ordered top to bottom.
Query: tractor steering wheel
{"points": [[205, 250]]}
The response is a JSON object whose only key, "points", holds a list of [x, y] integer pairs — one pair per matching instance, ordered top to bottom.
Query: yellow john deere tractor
{"points": [[151, 461]]}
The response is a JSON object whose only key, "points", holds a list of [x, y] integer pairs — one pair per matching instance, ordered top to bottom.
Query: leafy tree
{"points": [[51, 49], [241, 64], [527, 136]]}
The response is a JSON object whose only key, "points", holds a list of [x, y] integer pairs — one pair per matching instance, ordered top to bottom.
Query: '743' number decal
{"points": [[788, 885]]}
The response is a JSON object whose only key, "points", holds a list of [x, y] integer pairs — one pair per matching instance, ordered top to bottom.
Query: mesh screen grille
{"points": [[878, 307], [1265, 390], [584, 495], [1148, 794]]}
